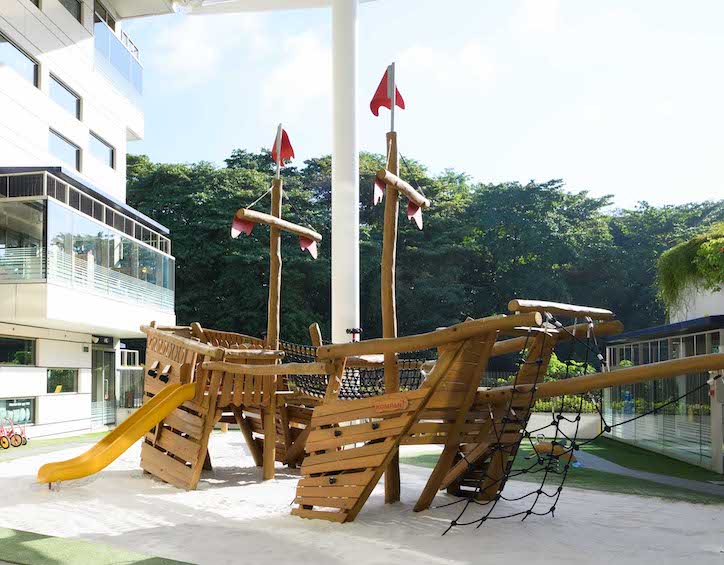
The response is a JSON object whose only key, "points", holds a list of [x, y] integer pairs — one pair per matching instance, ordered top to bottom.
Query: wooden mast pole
{"points": [[389, 305], [273, 311]]}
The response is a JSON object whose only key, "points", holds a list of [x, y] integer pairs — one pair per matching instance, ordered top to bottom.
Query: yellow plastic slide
{"points": [[121, 438]]}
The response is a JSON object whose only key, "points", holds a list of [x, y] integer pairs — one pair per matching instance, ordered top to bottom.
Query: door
{"points": [[104, 387]]}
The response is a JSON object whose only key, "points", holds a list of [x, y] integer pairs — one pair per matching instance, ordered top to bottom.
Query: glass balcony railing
{"points": [[117, 60]]}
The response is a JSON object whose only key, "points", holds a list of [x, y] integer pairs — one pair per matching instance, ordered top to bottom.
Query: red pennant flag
{"points": [[382, 97], [287, 149], [379, 192], [414, 212], [239, 226], [308, 245]]}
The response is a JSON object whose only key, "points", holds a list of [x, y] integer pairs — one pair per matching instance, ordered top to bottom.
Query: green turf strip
{"points": [[28, 548]]}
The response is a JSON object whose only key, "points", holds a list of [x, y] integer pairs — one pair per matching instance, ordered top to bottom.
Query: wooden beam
{"points": [[392, 179], [276, 222], [275, 269], [389, 303], [570, 310], [458, 332], [315, 334], [519, 343], [618, 377], [248, 436]]}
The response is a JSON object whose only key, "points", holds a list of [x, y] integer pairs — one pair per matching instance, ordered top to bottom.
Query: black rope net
{"points": [[357, 382], [552, 464]]}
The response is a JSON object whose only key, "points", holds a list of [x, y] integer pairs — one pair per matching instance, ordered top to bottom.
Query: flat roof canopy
{"points": [[230, 6]]}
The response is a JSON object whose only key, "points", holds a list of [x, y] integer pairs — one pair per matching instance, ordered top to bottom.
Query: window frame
{"points": [[79, 19], [108, 19], [36, 70], [79, 100], [103, 142], [79, 151], [32, 351]]}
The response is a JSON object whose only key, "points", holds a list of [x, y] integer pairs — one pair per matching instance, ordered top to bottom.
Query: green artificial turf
{"points": [[38, 446], [617, 452], [36, 549]]}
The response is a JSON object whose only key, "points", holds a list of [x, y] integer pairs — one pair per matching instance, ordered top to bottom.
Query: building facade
{"points": [[80, 270], [691, 428]]}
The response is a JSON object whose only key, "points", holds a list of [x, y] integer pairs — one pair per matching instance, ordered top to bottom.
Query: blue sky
{"points": [[614, 97]]}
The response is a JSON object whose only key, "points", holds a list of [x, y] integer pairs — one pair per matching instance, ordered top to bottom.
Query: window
{"points": [[36, 2], [74, 7], [103, 15], [17, 60], [64, 97], [64, 150], [102, 151], [21, 245], [16, 351], [62, 380], [19, 410]]}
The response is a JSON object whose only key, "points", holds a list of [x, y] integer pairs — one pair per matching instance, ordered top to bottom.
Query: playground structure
{"points": [[342, 411]]}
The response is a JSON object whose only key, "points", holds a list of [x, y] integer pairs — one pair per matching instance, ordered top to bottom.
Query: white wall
{"points": [[64, 47], [698, 305], [54, 413]]}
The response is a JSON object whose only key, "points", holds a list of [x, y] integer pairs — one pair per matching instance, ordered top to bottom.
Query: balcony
{"points": [[120, 60], [52, 232]]}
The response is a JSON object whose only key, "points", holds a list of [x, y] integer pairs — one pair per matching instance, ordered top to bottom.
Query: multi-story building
{"points": [[80, 270], [692, 427]]}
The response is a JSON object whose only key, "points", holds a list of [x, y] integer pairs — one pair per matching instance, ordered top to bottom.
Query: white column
{"points": [[345, 171]]}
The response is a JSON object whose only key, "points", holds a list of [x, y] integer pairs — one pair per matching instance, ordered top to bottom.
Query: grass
{"points": [[36, 446], [621, 454]]}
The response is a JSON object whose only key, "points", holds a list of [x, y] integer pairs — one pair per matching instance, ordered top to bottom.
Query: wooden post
{"points": [[389, 305], [272, 329], [315, 334]]}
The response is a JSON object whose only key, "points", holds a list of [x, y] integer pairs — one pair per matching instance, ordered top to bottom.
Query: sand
{"points": [[234, 517]]}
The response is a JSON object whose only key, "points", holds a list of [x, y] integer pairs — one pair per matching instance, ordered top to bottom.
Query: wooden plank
{"points": [[275, 222], [569, 310], [264, 370], [227, 383], [341, 406], [361, 414], [185, 422], [354, 430], [246, 431], [358, 438], [174, 443], [334, 455], [345, 465], [165, 467], [343, 479], [327, 490], [345, 503], [319, 515]]}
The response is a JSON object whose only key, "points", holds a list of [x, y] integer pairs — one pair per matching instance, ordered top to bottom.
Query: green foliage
{"points": [[482, 245], [694, 264]]}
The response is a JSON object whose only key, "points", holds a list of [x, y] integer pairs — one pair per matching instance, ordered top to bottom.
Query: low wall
{"points": [[588, 428]]}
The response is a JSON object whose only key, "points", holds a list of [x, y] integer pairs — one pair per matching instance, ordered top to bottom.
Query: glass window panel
{"points": [[74, 7], [17, 60], [64, 97], [64, 150], [102, 150], [25, 185], [4, 186], [74, 199], [86, 205], [98, 210], [60, 236], [21, 241], [16, 351], [62, 380], [19, 410]]}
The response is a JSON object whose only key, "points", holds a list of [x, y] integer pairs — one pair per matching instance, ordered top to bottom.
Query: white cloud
{"points": [[535, 17], [188, 50], [472, 67], [304, 76]]}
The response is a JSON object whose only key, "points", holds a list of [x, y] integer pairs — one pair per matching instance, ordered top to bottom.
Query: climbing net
{"points": [[357, 382], [551, 460]]}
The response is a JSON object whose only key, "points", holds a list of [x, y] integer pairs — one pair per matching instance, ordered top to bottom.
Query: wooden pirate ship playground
{"points": [[340, 412]]}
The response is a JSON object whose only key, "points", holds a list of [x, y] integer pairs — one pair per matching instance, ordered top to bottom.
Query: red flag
{"points": [[382, 98], [287, 150], [379, 192], [414, 212], [239, 226], [308, 245]]}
